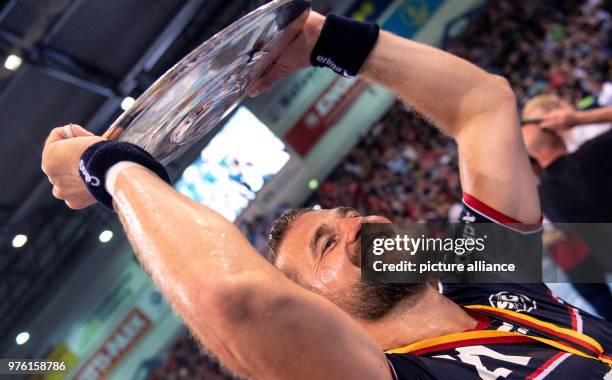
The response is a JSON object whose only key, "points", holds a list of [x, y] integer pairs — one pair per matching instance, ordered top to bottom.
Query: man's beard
{"points": [[372, 301]]}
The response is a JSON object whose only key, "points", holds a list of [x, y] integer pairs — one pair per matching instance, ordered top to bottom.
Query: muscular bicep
{"points": [[469, 104], [494, 165], [281, 333]]}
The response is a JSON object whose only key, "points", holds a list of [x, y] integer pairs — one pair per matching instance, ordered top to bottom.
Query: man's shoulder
{"points": [[479, 352]]}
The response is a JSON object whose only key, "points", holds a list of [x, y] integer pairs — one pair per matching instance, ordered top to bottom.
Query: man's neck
{"points": [[431, 315]]}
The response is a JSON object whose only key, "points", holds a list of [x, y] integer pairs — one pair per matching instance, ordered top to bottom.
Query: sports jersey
{"points": [[523, 330]]}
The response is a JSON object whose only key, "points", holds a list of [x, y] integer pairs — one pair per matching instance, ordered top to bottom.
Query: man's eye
{"points": [[328, 244]]}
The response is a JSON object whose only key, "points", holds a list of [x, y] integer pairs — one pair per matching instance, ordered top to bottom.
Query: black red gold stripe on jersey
{"points": [[538, 328], [550, 334]]}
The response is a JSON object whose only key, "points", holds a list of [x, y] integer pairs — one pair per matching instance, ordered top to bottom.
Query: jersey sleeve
{"points": [[476, 211], [507, 240]]}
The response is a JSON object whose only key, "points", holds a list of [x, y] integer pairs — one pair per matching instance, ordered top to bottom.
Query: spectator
{"points": [[554, 113], [574, 188]]}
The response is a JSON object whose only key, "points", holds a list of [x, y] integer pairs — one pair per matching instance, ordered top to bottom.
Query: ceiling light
{"points": [[12, 62], [127, 103], [106, 236], [19, 240], [22, 337]]}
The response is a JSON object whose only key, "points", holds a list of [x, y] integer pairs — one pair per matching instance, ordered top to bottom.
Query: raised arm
{"points": [[477, 109], [562, 119]]}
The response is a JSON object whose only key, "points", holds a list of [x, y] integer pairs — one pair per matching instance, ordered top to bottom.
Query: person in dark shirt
{"points": [[575, 188]]}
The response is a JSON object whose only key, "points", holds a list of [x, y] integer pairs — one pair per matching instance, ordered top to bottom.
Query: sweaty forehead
{"points": [[294, 250]]}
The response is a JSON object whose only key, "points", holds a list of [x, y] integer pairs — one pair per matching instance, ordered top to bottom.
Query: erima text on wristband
{"points": [[344, 45], [101, 156]]}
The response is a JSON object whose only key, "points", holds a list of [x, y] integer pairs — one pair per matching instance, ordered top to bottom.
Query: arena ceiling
{"points": [[81, 58]]}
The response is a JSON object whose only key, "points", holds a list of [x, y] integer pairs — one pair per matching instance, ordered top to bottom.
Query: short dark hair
{"points": [[279, 230]]}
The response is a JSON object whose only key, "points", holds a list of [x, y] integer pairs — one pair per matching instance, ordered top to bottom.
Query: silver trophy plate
{"points": [[191, 98]]}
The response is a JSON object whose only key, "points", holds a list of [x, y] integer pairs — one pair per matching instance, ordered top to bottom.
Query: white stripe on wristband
{"points": [[113, 173]]}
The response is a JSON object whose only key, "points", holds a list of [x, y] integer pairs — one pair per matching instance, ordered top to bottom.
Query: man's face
{"points": [[322, 252]]}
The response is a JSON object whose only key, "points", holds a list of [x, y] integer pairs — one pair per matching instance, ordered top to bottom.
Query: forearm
{"points": [[447, 89], [599, 115], [166, 227], [194, 255]]}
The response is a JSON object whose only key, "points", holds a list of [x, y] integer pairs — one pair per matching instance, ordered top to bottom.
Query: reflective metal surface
{"points": [[191, 98]]}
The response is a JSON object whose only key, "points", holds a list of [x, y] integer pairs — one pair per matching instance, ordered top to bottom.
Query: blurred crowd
{"points": [[561, 47], [402, 168], [405, 169]]}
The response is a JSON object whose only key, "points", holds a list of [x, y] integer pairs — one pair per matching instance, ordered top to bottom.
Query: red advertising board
{"points": [[333, 102], [115, 347]]}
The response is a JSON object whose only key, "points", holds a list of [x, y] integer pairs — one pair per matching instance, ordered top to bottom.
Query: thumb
{"points": [[73, 130]]}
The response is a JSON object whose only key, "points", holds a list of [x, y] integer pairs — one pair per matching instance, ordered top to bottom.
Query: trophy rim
{"points": [[210, 47]]}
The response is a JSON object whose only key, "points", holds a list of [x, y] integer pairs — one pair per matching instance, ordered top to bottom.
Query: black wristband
{"points": [[344, 45], [101, 156]]}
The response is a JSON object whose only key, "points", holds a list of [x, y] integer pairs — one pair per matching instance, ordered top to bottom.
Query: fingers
{"points": [[263, 84], [556, 119], [553, 120], [547, 124], [552, 124], [78, 131], [67, 132], [56, 134], [59, 144], [61, 153], [57, 193], [74, 199]]}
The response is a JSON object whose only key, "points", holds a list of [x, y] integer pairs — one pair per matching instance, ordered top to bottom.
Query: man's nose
{"points": [[349, 229]]}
